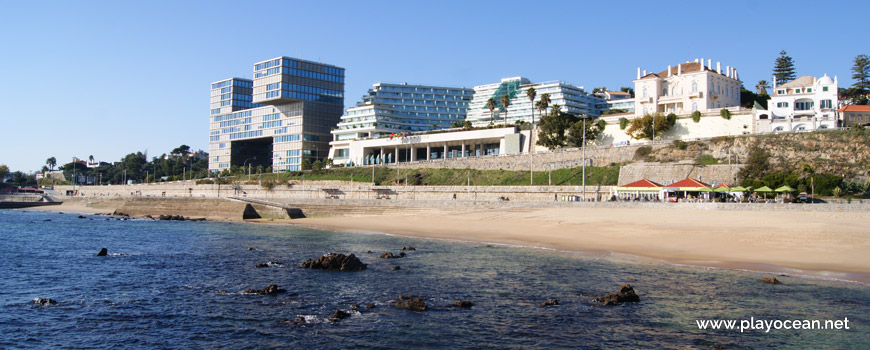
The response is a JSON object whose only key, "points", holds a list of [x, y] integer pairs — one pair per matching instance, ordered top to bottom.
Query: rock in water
{"points": [[81, 216], [409, 248], [103, 252], [390, 255], [335, 262], [395, 268], [771, 280], [269, 290], [625, 295], [44, 301], [550, 302], [410, 303], [463, 304], [340, 315]]}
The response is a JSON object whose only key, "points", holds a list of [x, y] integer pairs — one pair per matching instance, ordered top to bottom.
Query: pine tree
{"points": [[783, 68], [861, 72]]}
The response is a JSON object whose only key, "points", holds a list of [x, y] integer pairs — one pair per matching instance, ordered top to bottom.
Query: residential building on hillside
{"points": [[687, 87], [572, 99], [618, 101], [803, 104], [855, 115], [281, 117]]}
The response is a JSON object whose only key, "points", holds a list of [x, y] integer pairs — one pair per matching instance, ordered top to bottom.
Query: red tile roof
{"points": [[617, 93], [855, 108], [688, 182], [642, 183], [724, 184]]}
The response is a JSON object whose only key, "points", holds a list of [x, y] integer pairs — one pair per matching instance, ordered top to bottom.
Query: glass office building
{"points": [[572, 99], [401, 108], [281, 117]]}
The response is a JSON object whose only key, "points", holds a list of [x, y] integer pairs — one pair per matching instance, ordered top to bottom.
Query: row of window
{"points": [[232, 82], [311, 90], [429, 90], [240, 97], [236, 115], [273, 116], [235, 122], [273, 124], [246, 134], [286, 138]]}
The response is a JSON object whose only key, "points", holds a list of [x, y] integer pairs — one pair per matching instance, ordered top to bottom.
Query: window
{"points": [[694, 86], [824, 88], [809, 90], [664, 91], [797, 91], [644, 92], [780, 92], [825, 103], [782, 104], [694, 106]]}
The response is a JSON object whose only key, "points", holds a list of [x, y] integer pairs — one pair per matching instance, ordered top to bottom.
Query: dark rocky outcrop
{"points": [[81, 216], [250, 248], [409, 248], [103, 252], [390, 255], [335, 262], [267, 264], [395, 268], [771, 280], [269, 290], [625, 294], [44, 301], [549, 302], [410, 303], [463, 304], [370, 306], [339, 315], [296, 321]]}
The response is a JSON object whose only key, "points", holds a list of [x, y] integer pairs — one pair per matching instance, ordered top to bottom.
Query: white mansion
{"points": [[685, 88], [803, 104]]}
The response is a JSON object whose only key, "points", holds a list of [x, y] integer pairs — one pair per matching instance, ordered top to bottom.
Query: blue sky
{"points": [[109, 78]]}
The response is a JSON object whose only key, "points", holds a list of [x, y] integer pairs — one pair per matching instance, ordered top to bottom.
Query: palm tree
{"points": [[762, 87], [531, 93], [505, 102], [544, 103], [491, 105], [91, 158], [51, 162], [807, 171]]}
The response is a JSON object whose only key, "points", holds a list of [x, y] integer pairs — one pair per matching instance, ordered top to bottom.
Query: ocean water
{"points": [[159, 288]]}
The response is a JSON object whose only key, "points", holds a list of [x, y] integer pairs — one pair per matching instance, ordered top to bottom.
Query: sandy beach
{"points": [[824, 244]]}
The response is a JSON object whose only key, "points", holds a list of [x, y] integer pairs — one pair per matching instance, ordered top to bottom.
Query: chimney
{"points": [[710, 63], [702, 64], [719, 67], [679, 69], [669, 70], [638, 72], [644, 72]]}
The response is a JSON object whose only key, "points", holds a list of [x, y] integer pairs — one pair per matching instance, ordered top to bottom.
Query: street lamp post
{"points": [[584, 157]]}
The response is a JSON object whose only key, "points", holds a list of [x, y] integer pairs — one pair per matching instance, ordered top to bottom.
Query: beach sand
{"points": [[823, 244]]}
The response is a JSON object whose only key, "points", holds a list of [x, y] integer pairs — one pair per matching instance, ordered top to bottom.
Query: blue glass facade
{"points": [[279, 118]]}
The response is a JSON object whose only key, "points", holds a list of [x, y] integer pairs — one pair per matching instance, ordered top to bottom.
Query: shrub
{"points": [[725, 113], [696, 116], [623, 123], [601, 124], [680, 144], [642, 152], [706, 159]]}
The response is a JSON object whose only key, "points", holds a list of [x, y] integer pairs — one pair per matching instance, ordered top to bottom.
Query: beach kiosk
{"points": [[642, 189], [687, 189]]}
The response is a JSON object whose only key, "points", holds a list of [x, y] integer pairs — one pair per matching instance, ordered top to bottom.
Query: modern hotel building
{"points": [[572, 99], [279, 118]]}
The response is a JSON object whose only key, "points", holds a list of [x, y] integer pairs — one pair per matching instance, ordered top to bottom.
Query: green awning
{"points": [[705, 189], [722, 189], [739, 189], [763, 189], [785, 189]]}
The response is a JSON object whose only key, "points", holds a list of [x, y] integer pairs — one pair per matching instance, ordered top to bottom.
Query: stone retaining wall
{"points": [[668, 173]]}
